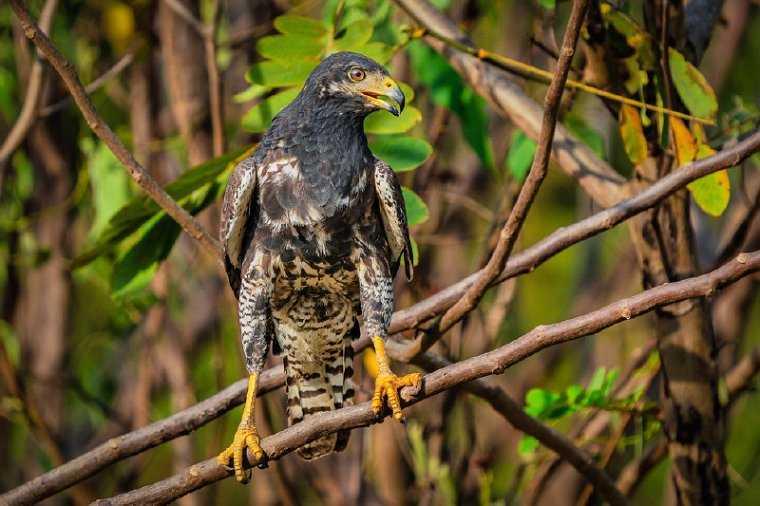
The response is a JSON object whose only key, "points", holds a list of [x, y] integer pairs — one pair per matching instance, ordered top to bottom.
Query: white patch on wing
{"points": [[239, 217]]}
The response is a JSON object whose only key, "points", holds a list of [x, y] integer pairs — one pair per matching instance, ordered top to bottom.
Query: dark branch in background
{"points": [[208, 35], [32, 97], [104, 132], [594, 175], [528, 192], [493, 362], [188, 420]]}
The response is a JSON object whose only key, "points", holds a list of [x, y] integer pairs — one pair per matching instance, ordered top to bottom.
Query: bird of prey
{"points": [[313, 230]]}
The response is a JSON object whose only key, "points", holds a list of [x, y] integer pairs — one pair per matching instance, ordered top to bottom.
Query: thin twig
{"points": [[124, 62], [34, 86], [143, 178], [528, 192], [493, 362]]}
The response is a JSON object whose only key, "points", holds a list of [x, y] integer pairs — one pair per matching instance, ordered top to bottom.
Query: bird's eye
{"points": [[356, 74]]}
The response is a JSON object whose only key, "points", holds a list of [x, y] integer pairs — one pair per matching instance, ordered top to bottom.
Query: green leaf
{"points": [[548, 4], [300, 25], [354, 36], [289, 47], [378, 51], [275, 73], [692, 87], [448, 90], [259, 117], [383, 122], [632, 132], [589, 136], [402, 153], [520, 156], [109, 181], [712, 192], [141, 208], [416, 210], [134, 270], [597, 380], [574, 393], [540, 401], [527, 445]]}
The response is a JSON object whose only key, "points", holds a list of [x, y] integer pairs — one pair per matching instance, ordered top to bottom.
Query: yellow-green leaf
{"points": [[300, 25], [354, 36], [289, 47], [278, 73], [692, 87], [258, 118], [383, 122], [633, 134], [684, 141], [402, 153], [712, 192], [416, 210]]}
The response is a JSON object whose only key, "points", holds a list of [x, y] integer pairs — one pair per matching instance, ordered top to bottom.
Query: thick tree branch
{"points": [[104, 132], [595, 176], [528, 192], [493, 362]]}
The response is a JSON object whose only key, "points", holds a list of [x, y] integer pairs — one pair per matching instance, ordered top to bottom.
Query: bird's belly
{"points": [[314, 305]]}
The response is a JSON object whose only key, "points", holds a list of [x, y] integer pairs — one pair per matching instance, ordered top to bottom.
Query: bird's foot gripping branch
{"points": [[387, 384], [246, 436]]}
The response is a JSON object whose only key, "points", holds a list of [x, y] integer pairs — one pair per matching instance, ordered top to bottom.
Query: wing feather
{"points": [[238, 209], [393, 213]]}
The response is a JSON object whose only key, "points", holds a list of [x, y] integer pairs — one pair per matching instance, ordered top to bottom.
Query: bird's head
{"points": [[353, 83]]}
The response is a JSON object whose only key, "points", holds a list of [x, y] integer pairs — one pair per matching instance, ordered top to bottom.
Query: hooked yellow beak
{"points": [[387, 88]]}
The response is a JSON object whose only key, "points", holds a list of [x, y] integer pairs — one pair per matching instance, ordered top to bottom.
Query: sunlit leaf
{"points": [[300, 25], [354, 36], [289, 47], [378, 51], [275, 73], [692, 87], [259, 117], [383, 122], [633, 134], [684, 141], [402, 153], [520, 156], [109, 181], [712, 192], [416, 210], [539, 401], [527, 445]]}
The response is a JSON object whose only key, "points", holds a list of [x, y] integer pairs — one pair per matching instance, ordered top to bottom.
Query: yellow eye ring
{"points": [[357, 74]]}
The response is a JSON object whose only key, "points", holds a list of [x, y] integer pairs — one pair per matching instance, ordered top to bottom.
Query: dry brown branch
{"points": [[104, 132], [595, 176], [493, 362]]}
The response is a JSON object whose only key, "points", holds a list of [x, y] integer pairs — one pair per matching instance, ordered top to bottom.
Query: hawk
{"points": [[313, 230]]}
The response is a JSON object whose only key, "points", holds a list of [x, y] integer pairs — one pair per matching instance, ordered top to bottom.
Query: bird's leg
{"points": [[255, 332], [388, 384], [246, 436]]}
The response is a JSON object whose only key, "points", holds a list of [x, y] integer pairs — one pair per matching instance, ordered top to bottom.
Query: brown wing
{"points": [[239, 212], [393, 214]]}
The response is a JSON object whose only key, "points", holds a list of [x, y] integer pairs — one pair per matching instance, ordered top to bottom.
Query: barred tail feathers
{"points": [[313, 387]]}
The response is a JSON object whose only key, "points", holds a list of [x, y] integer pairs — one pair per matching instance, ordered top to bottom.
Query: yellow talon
{"points": [[388, 384], [246, 436]]}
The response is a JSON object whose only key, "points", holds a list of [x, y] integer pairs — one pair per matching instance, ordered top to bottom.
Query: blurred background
{"points": [[107, 324]]}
